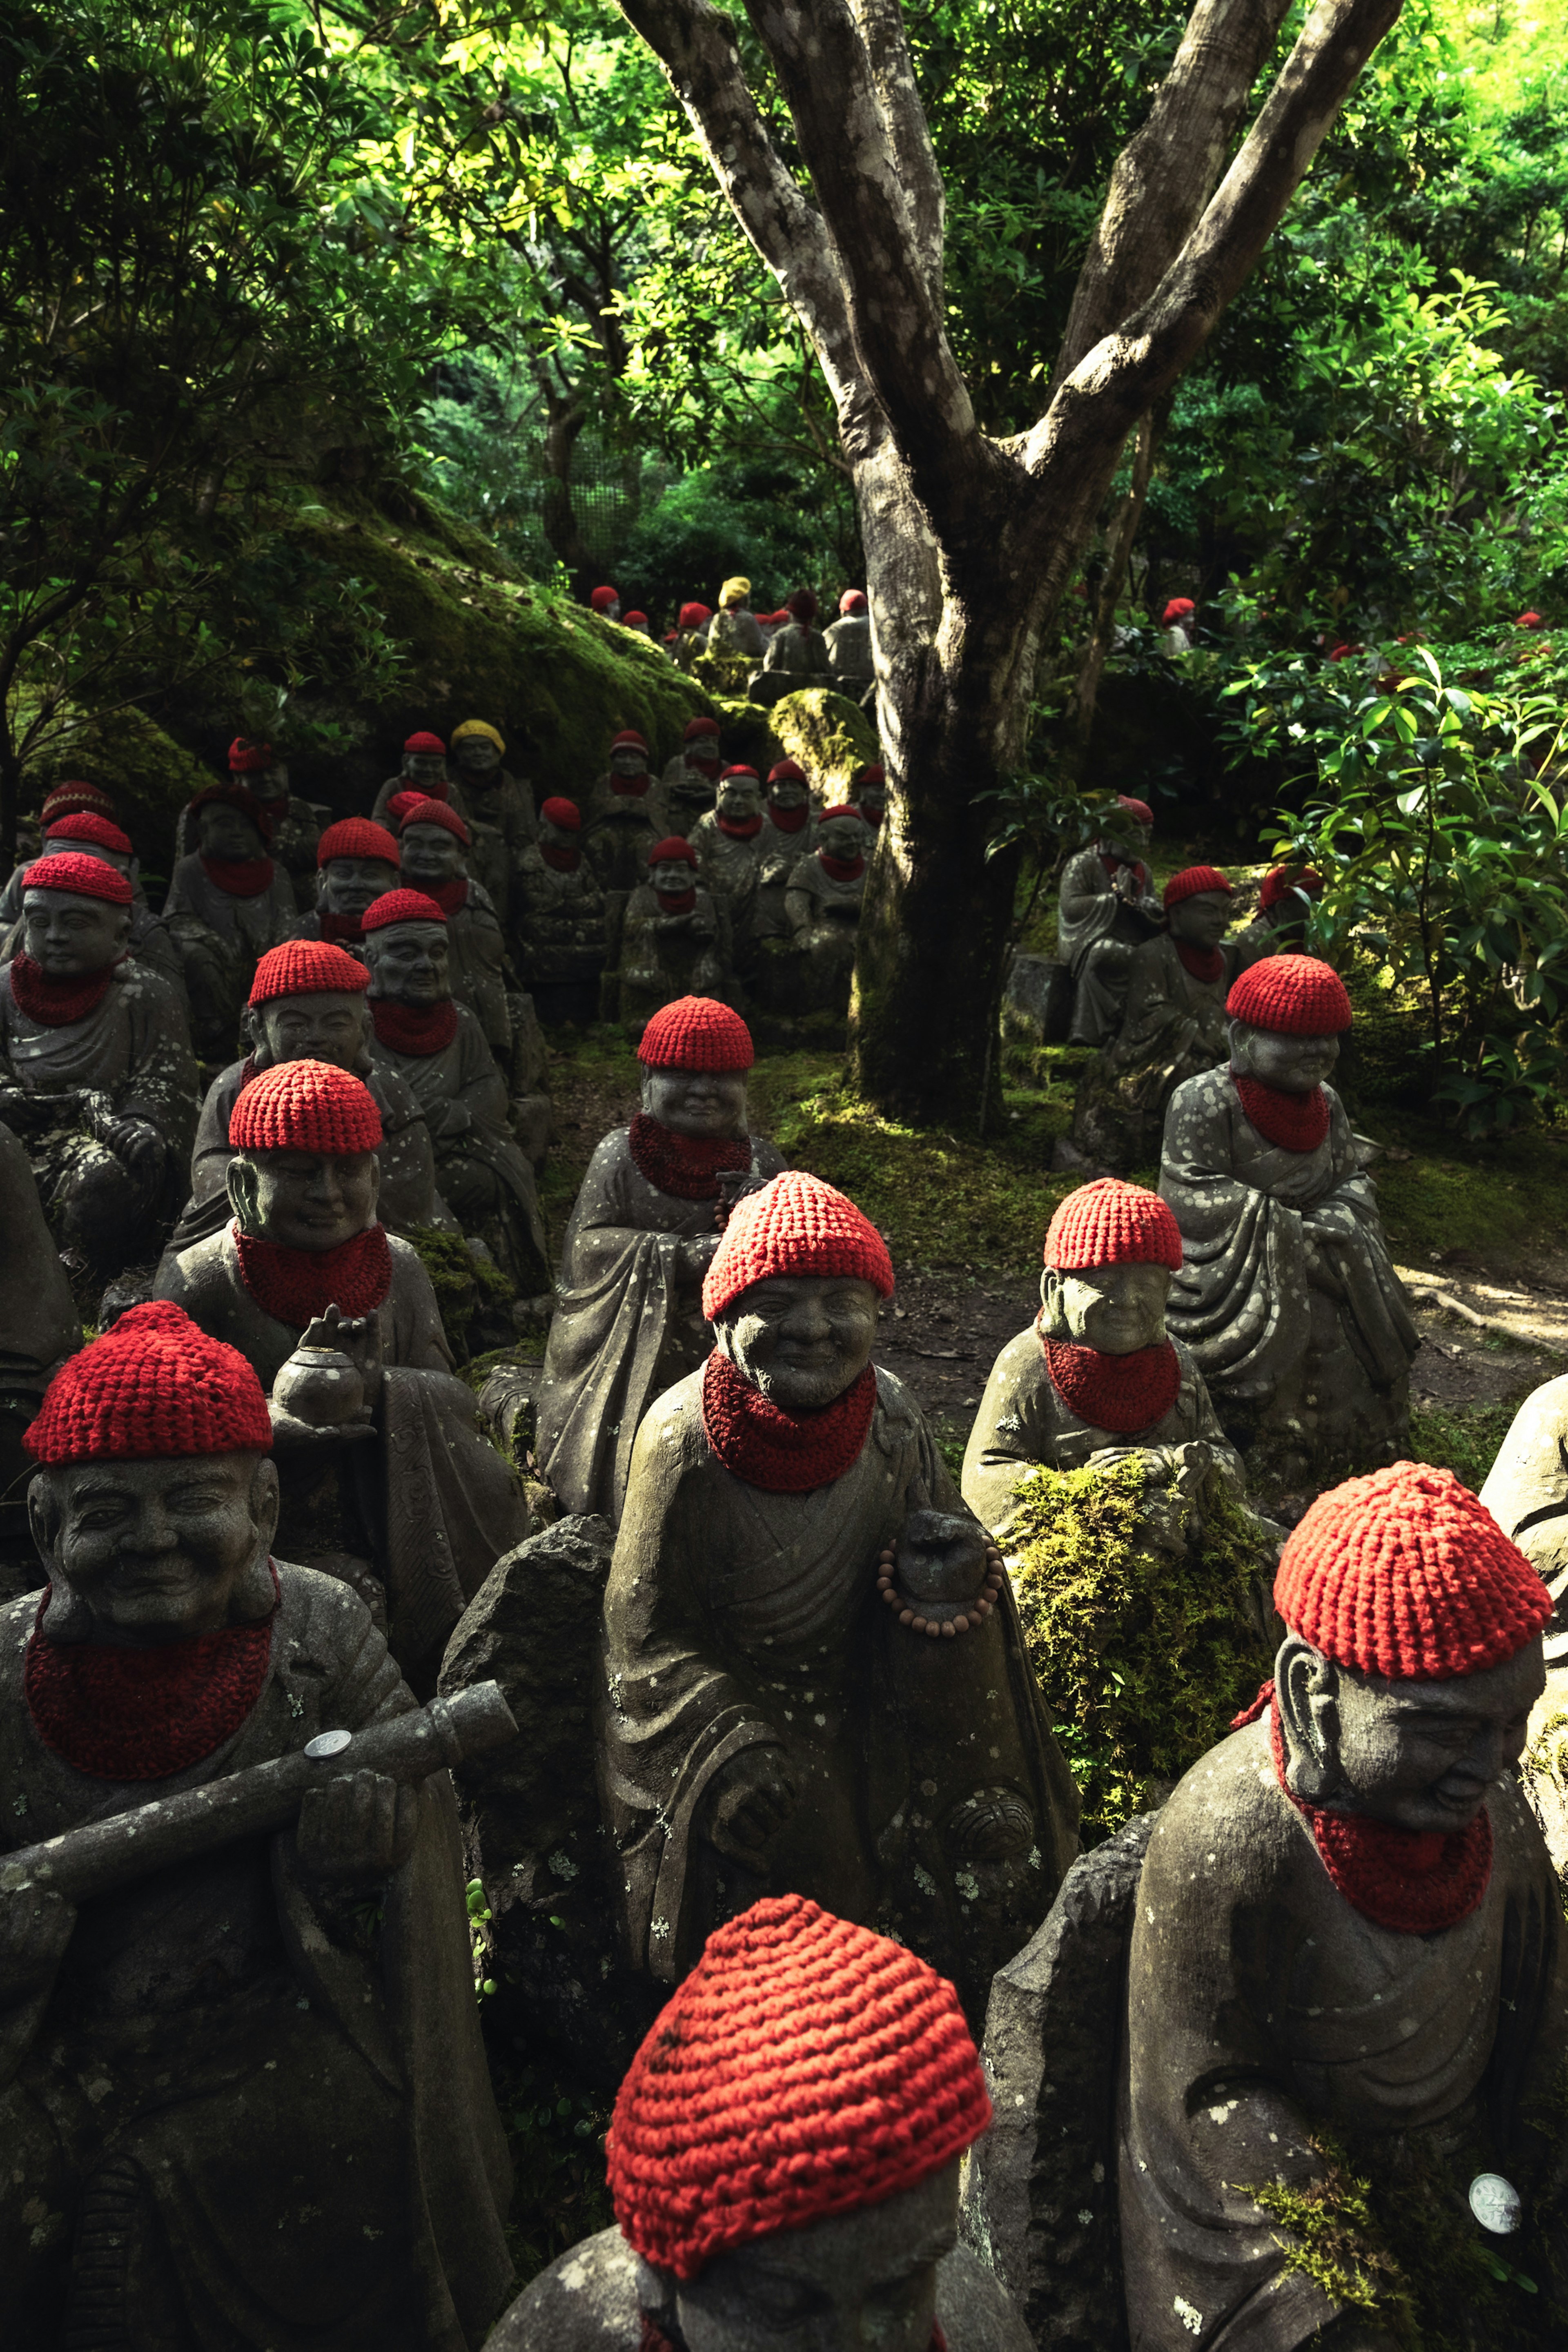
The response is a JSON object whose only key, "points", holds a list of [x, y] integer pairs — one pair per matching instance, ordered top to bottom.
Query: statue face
{"points": [[477, 756], [627, 761], [425, 767], [789, 793], [874, 797], [740, 798], [228, 834], [558, 835], [844, 837], [1130, 840], [60, 846], [431, 854], [671, 875], [348, 886], [1288, 916], [1201, 920], [67, 935], [410, 963], [327, 1027], [1294, 1065], [696, 1102], [305, 1200], [1111, 1308], [802, 1338], [155, 1551], [1419, 1753], [857, 2280]]}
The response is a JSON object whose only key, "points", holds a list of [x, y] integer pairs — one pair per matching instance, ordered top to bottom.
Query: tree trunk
{"points": [[563, 421], [1074, 760]]}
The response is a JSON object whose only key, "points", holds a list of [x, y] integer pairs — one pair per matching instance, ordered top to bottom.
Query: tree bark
{"points": [[563, 421], [1102, 631]]}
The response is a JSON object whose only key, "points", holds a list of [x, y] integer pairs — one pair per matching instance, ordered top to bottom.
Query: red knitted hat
{"points": [[603, 598], [853, 600], [802, 604], [1177, 610], [695, 616], [634, 619], [696, 727], [628, 739], [426, 746], [249, 759], [740, 768], [787, 772], [872, 774], [236, 795], [66, 797], [845, 808], [1139, 809], [434, 812], [563, 812], [85, 825], [356, 836], [671, 848], [81, 877], [1280, 880], [1191, 881], [399, 906], [306, 967], [1294, 995], [696, 1033], [305, 1106], [1112, 1224], [796, 1225], [155, 1386], [1405, 1573], [805, 2067]]}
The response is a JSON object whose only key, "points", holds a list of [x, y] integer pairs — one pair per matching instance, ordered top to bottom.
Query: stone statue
{"points": [[606, 603], [638, 625], [1178, 627], [735, 629], [690, 634], [800, 650], [850, 655], [423, 777], [689, 785], [869, 792], [500, 811], [296, 824], [618, 827], [84, 832], [788, 834], [434, 842], [728, 843], [358, 863], [1285, 899], [227, 904], [1105, 910], [562, 920], [675, 940], [811, 969], [307, 1004], [1173, 1025], [436, 1047], [95, 1072], [642, 1234], [1288, 1298], [38, 1328], [386, 1482], [1527, 1492], [773, 1717], [1347, 1937], [242, 2090], [829, 2152]]}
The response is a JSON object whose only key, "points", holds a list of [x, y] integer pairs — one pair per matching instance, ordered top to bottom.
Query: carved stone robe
{"points": [[1097, 932], [220, 940], [1173, 1027]]}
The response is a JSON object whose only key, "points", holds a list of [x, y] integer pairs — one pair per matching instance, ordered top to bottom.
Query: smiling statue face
{"points": [[478, 757], [625, 759], [424, 768], [789, 793], [740, 798], [873, 798], [228, 834], [845, 837], [430, 854], [672, 878], [348, 886], [1201, 920], [68, 935], [410, 963], [329, 1026], [1294, 1065], [696, 1102], [305, 1200], [1111, 1308], [801, 1339], [156, 1551], [861, 2281]]}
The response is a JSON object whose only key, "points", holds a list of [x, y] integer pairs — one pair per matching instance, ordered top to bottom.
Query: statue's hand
{"points": [[27, 1114], [136, 1141], [358, 1337], [301, 1439], [940, 1562], [752, 1798], [357, 1830], [35, 1929]]}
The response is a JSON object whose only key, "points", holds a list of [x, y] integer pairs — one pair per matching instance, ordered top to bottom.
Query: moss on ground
{"points": [[828, 734], [1465, 1440]]}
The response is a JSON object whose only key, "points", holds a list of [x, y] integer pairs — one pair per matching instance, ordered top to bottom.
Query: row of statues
{"points": [[773, 654]]}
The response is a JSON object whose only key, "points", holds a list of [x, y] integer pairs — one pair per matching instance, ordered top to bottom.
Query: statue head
{"points": [[733, 594], [606, 603], [852, 604], [801, 606], [638, 621], [699, 746], [478, 749], [628, 754], [425, 760], [258, 768], [787, 786], [868, 792], [739, 795], [72, 800], [230, 828], [1127, 828], [560, 833], [844, 833], [85, 834], [434, 842], [357, 861], [672, 867], [1285, 899], [1197, 906], [75, 914], [407, 948], [307, 1003], [1287, 1015], [695, 1054], [305, 1172], [1111, 1252], [792, 1290], [156, 1500], [1413, 1652], [831, 2149]]}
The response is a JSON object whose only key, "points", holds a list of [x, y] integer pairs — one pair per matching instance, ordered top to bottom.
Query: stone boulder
{"points": [[1037, 1004]]}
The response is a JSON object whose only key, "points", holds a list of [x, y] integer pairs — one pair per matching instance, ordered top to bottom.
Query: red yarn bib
{"points": [[631, 788], [790, 820], [746, 831], [563, 861], [842, 869], [240, 877], [450, 897], [677, 902], [346, 930], [1203, 963], [56, 1002], [415, 1028], [1295, 1122], [685, 1166], [296, 1285], [1118, 1393], [783, 1453], [143, 1715], [1416, 1881]]}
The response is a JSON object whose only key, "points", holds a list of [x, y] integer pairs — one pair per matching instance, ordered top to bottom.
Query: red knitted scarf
{"points": [[711, 769], [630, 788], [412, 792], [872, 816], [790, 820], [747, 830], [563, 860], [842, 869], [239, 877], [450, 897], [677, 902], [348, 930], [1203, 963], [56, 1002], [415, 1028], [1296, 1122], [685, 1166], [296, 1285], [1119, 1392], [782, 1453], [143, 1715], [1417, 1881]]}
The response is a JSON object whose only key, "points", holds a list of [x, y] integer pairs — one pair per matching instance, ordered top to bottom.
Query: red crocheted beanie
{"points": [[603, 598], [853, 600], [802, 604], [1177, 610], [695, 616], [634, 619], [694, 727], [628, 739], [426, 746], [249, 759], [739, 768], [787, 772], [873, 772], [66, 797], [1139, 809], [434, 812], [563, 812], [85, 825], [356, 836], [666, 852], [81, 877], [1280, 880], [1191, 881], [400, 907], [307, 968], [1293, 995], [696, 1033], [305, 1106], [1112, 1224], [796, 1225], [155, 1385], [1405, 1573], [805, 2068]]}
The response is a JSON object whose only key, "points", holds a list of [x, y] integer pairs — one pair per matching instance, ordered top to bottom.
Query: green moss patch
{"points": [[828, 734], [1466, 1442]]}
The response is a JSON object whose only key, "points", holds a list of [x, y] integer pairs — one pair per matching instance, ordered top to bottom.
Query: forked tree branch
{"points": [[881, 23]]}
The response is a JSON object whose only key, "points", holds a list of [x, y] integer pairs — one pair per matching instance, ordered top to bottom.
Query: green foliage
{"points": [[1466, 1442], [555, 2128]]}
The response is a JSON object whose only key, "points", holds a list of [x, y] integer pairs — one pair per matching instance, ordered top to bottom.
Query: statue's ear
{"points": [[1240, 1035], [244, 1192], [1053, 1321], [43, 1516], [1305, 1693]]}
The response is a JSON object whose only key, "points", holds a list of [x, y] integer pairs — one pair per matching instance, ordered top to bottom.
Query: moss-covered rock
{"points": [[828, 734], [150, 774]]}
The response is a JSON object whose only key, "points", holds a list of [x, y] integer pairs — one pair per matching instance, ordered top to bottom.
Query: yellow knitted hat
{"points": [[734, 591], [477, 727]]}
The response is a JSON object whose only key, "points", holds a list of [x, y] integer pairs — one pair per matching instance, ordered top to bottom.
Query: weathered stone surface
{"points": [[1037, 1004], [1039, 2192]]}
